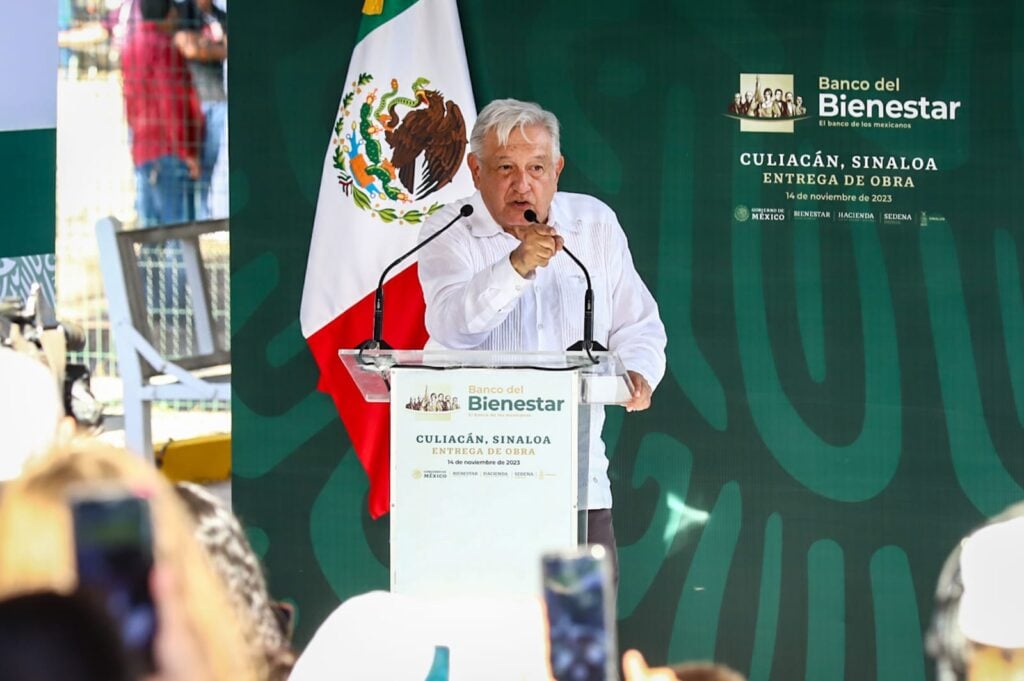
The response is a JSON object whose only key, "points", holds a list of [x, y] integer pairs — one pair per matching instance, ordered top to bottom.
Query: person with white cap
{"points": [[31, 411], [992, 605], [977, 631]]}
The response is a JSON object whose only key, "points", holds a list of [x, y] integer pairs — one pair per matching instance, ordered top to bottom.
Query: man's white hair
{"points": [[505, 115], [30, 410]]}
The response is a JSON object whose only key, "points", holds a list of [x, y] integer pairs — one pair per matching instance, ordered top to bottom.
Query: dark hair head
{"points": [[154, 10], [232, 556], [48, 636]]}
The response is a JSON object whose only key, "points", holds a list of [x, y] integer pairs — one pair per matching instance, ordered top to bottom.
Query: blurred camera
{"points": [[32, 328]]}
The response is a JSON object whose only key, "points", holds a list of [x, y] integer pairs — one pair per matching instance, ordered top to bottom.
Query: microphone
{"points": [[376, 343], [588, 343]]}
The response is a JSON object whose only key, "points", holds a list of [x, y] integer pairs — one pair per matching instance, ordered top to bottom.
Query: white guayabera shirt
{"points": [[477, 301]]}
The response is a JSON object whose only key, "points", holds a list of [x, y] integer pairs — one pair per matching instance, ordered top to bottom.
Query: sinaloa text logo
{"points": [[766, 103], [384, 140]]}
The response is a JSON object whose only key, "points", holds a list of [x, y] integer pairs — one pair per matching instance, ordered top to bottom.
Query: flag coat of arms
{"points": [[396, 155]]}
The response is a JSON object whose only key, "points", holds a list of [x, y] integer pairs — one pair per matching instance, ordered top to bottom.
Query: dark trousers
{"points": [[601, 531]]}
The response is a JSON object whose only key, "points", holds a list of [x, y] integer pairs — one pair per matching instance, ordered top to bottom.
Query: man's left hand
{"points": [[641, 398]]}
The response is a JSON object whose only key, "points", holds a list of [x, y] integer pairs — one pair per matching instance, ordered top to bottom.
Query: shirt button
{"points": [[540, 326], [595, 479]]}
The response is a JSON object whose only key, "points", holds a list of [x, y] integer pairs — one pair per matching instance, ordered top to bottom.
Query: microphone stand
{"points": [[376, 342], [588, 343]]}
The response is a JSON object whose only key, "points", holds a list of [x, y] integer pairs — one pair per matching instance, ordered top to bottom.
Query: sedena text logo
{"points": [[766, 102]]}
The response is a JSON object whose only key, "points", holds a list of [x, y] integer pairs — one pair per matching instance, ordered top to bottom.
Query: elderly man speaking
{"points": [[501, 284]]}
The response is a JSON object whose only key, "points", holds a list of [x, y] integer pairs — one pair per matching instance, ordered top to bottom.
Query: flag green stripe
{"points": [[392, 8], [29, 182]]}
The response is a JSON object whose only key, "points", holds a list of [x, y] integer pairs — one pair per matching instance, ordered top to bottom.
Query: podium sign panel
{"points": [[483, 477]]}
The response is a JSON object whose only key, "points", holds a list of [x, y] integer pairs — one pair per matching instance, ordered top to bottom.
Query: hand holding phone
{"points": [[114, 553], [581, 616]]}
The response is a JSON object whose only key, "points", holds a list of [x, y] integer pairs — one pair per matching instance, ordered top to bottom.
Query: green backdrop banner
{"points": [[30, 191], [841, 287]]}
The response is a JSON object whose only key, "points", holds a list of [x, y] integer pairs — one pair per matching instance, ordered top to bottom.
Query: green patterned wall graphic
{"points": [[845, 394]]}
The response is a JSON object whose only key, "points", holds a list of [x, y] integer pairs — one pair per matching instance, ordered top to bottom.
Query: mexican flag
{"points": [[396, 155]]}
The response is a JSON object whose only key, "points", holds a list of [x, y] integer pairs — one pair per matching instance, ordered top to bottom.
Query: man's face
{"points": [[518, 176]]}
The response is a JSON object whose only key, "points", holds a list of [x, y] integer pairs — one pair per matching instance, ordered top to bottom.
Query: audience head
{"points": [[155, 10], [30, 410], [222, 535], [37, 545], [977, 631], [49, 637]]}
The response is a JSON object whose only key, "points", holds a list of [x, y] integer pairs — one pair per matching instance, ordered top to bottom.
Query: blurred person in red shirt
{"points": [[202, 38], [164, 117]]}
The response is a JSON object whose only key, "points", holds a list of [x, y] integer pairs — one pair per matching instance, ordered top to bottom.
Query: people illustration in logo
{"points": [[766, 103], [738, 106], [766, 108], [799, 109], [433, 401]]}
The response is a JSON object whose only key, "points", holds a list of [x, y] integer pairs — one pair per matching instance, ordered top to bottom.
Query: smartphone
{"points": [[114, 553], [577, 589]]}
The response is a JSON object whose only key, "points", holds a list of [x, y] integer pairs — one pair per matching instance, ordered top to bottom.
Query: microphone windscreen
{"points": [[466, 210], [530, 215]]}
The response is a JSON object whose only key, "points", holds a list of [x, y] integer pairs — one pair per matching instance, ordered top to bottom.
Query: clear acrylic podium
{"points": [[487, 449]]}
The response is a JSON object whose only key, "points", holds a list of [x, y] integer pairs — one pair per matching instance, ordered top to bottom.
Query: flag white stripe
{"points": [[349, 248]]}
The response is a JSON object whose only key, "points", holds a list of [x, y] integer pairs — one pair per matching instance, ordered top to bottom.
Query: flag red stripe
{"points": [[368, 424]]}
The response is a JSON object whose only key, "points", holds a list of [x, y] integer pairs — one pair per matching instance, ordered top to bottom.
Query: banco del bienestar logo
{"points": [[766, 102], [879, 103]]}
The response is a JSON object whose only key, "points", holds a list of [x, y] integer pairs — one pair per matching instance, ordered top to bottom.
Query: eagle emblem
{"points": [[397, 150]]}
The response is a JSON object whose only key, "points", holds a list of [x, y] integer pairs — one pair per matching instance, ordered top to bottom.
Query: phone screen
{"points": [[114, 552], [577, 588]]}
